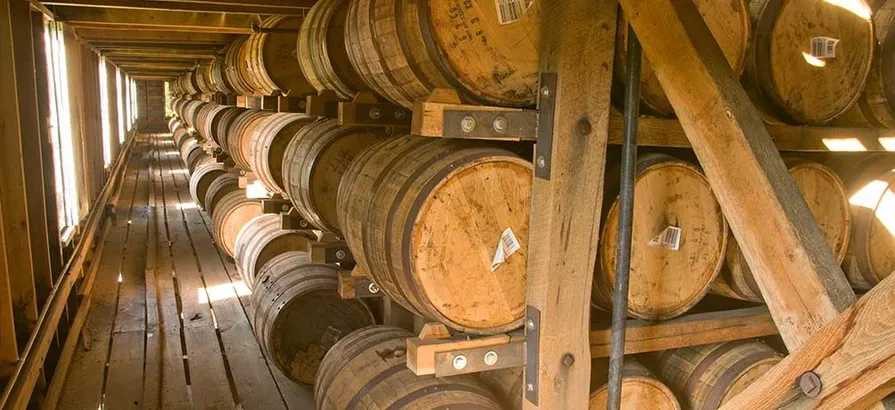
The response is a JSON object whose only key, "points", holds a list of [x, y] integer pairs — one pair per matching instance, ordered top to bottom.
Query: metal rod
{"points": [[625, 222]]}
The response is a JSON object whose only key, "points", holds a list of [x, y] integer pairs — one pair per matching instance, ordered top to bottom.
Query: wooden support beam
{"points": [[212, 7], [154, 20], [97, 36], [23, 39], [577, 46], [200, 48], [162, 54], [43, 107], [429, 121], [663, 132], [13, 194], [797, 272], [689, 330], [853, 358]]}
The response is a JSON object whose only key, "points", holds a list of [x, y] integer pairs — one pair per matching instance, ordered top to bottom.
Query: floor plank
{"points": [[176, 332], [126, 359], [207, 374], [252, 377], [172, 384], [83, 389]]}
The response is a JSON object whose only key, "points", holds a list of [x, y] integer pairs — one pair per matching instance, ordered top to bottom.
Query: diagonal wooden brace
{"points": [[797, 272]]}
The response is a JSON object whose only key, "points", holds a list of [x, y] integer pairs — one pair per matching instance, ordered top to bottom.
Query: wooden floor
{"points": [[169, 320]]}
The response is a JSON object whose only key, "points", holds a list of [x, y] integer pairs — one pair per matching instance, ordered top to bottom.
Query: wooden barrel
{"points": [[729, 23], [405, 49], [322, 53], [271, 58], [236, 67], [218, 73], [203, 77], [189, 84], [797, 86], [876, 105], [192, 111], [207, 121], [173, 124], [220, 126], [240, 136], [181, 137], [268, 144], [189, 147], [198, 158], [314, 163], [202, 178], [870, 183], [222, 185], [669, 194], [826, 198], [231, 213], [424, 217], [263, 238], [299, 315], [367, 369], [707, 376], [506, 385], [640, 389]]}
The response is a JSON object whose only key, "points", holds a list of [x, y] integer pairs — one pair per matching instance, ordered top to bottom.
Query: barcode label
{"points": [[509, 11], [824, 47], [669, 238], [506, 246]]}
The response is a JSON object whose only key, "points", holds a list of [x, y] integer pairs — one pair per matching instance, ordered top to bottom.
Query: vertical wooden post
{"points": [[20, 14], [577, 46], [112, 95], [43, 113], [13, 194], [797, 272]]}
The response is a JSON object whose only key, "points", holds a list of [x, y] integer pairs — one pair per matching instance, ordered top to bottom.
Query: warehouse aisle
{"points": [[169, 325]]}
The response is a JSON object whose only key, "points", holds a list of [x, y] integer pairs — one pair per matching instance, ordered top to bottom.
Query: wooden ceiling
{"points": [[160, 39]]}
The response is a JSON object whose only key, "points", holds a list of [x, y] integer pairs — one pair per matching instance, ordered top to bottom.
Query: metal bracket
{"points": [[267, 103], [291, 104], [324, 105], [546, 111], [374, 114], [493, 125], [275, 205], [292, 220], [339, 254], [356, 287], [532, 346], [479, 359]]}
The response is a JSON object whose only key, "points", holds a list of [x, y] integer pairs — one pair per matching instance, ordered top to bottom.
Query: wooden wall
{"points": [[151, 105], [31, 252]]}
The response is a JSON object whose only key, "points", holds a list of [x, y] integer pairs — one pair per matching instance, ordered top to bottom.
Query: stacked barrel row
{"points": [[802, 61], [442, 225], [297, 313], [367, 369]]}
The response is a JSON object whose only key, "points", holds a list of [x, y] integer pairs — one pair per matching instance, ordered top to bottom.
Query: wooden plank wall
{"points": [[151, 105], [31, 255]]}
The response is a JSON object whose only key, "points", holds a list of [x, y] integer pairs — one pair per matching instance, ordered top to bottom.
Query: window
{"points": [[104, 112], [122, 113], [60, 129]]}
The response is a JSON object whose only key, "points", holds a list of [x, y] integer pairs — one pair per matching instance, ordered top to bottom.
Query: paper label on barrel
{"points": [[510, 11], [824, 47], [669, 238], [506, 246]]}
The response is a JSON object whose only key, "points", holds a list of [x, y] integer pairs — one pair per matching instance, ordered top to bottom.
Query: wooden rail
{"points": [[22, 381]]}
